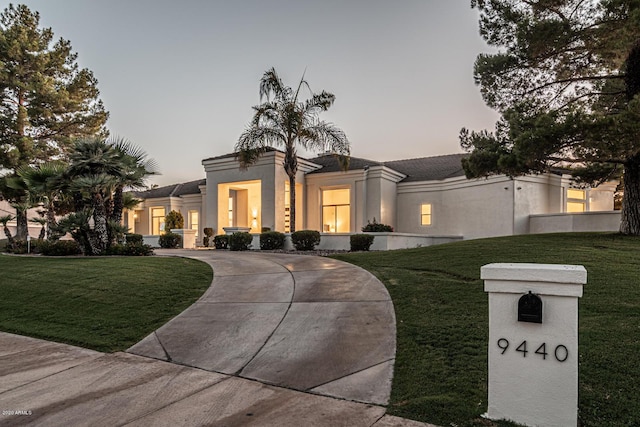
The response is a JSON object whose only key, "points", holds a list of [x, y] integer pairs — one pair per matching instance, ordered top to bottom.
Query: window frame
{"points": [[335, 207]]}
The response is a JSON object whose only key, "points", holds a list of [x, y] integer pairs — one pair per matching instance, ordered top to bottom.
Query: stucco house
{"points": [[427, 196]]}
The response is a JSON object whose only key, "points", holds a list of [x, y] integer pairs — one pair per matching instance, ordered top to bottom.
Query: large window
{"points": [[576, 200], [336, 211], [425, 214], [157, 221], [194, 221]]}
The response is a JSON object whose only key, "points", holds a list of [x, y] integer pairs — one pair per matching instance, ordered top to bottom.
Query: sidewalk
{"points": [[276, 340]]}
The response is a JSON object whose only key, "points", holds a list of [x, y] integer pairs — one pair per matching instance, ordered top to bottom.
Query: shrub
{"points": [[173, 220], [374, 227], [208, 232], [133, 238], [169, 240], [271, 240], [305, 240], [221, 241], [240, 241], [361, 242], [21, 246], [59, 247], [130, 249]]}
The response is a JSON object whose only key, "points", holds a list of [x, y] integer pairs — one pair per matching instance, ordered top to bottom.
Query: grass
{"points": [[106, 304], [442, 327]]}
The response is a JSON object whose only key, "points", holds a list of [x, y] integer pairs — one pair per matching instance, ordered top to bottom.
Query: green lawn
{"points": [[106, 304], [441, 310]]}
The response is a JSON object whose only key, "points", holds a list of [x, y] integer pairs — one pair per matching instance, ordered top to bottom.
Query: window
{"points": [[576, 200], [232, 202], [336, 211], [425, 214], [157, 221], [194, 222]]}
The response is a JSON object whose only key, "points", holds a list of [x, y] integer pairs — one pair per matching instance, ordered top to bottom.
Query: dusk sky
{"points": [[179, 77]]}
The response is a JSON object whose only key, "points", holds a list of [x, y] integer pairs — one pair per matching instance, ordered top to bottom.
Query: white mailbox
{"points": [[533, 342]]}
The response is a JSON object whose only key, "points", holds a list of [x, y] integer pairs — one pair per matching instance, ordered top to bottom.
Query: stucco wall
{"points": [[470, 208], [576, 222]]}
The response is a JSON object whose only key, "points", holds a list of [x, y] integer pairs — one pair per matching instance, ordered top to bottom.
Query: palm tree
{"points": [[285, 121], [136, 167], [93, 175], [45, 185], [97, 187], [13, 188], [4, 220], [43, 222]]}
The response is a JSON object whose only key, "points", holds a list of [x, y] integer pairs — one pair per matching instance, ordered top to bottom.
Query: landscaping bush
{"points": [[174, 220], [374, 227], [208, 232], [133, 238], [170, 240], [270, 240], [305, 240], [221, 241], [240, 241], [361, 242], [21, 247], [59, 247], [130, 249]]}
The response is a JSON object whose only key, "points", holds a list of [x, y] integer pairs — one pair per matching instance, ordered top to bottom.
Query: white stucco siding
{"points": [[381, 194], [537, 194], [601, 198], [471, 208]]}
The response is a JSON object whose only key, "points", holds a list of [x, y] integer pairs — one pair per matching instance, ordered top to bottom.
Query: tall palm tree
{"points": [[285, 121]]}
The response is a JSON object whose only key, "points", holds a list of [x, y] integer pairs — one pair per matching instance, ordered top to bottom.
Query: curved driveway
{"points": [[306, 323]]}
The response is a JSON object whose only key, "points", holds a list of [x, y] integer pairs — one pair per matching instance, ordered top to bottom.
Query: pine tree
{"points": [[566, 80], [46, 100]]}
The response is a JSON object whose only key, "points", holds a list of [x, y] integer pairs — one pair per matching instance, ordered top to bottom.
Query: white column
{"points": [[533, 367]]}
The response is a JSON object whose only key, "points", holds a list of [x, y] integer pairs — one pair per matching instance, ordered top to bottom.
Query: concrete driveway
{"points": [[276, 340]]}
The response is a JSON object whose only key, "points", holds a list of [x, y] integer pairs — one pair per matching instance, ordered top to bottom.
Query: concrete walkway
{"points": [[276, 340]]}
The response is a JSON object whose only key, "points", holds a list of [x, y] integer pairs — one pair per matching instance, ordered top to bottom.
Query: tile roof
{"points": [[329, 163], [434, 168], [420, 169], [174, 190]]}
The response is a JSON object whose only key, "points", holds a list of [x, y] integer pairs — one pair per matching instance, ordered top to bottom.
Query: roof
{"points": [[233, 155], [330, 163], [434, 168], [420, 169], [174, 190]]}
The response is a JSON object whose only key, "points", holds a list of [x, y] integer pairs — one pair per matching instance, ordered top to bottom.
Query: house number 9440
{"points": [[560, 352]]}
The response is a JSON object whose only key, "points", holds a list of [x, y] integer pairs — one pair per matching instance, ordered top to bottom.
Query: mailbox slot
{"points": [[530, 308]]}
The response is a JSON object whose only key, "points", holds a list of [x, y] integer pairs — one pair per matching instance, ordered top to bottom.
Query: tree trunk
{"points": [[291, 168], [292, 203], [116, 214], [51, 221], [630, 222], [100, 223], [22, 226], [7, 233]]}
